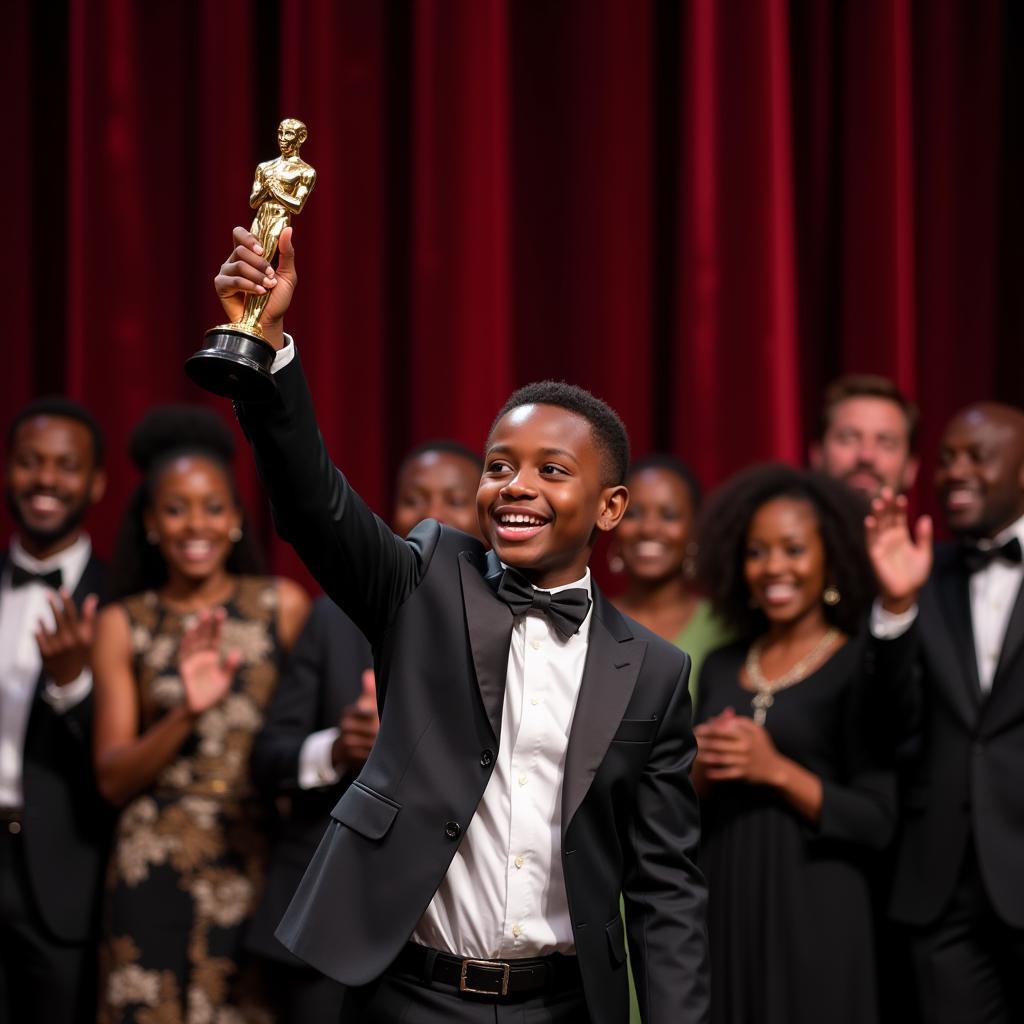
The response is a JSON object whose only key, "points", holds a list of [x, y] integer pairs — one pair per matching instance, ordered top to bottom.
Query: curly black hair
{"points": [[609, 431], [164, 434], [723, 538]]}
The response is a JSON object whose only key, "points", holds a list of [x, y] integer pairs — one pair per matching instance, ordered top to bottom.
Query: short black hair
{"points": [[867, 385], [65, 408], [609, 431], [442, 446], [678, 468], [723, 542]]}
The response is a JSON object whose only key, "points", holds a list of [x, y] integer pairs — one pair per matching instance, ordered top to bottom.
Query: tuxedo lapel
{"points": [[955, 601], [489, 622], [1009, 657], [609, 676]]}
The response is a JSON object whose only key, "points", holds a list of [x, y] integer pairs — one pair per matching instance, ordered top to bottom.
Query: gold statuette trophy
{"points": [[235, 361]]}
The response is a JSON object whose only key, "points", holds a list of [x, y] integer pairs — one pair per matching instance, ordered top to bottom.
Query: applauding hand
{"points": [[901, 561], [65, 650], [205, 674], [731, 746]]}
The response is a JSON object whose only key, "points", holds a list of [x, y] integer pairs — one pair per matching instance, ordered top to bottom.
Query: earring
{"points": [[235, 534], [152, 537], [615, 563], [831, 596]]}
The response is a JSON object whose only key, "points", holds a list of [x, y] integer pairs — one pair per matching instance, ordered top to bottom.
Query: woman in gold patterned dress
{"points": [[185, 663]]}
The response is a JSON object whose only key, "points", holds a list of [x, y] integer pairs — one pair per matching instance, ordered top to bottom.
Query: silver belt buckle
{"points": [[489, 965]]}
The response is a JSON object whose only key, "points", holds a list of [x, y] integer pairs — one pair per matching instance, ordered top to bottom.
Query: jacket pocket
{"points": [[636, 730], [365, 811], [616, 939]]}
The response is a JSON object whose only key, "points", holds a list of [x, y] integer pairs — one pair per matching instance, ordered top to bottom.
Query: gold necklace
{"points": [[766, 689]]}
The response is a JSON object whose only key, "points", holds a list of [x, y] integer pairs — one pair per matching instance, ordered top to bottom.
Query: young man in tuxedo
{"points": [[866, 436], [950, 659], [322, 723], [534, 748], [53, 828]]}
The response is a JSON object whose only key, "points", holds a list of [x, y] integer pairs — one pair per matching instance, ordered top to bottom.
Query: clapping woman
{"points": [[185, 663], [794, 796]]}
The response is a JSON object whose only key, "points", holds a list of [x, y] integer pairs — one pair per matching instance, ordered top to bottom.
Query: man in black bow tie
{"points": [[951, 654], [533, 757], [52, 827]]}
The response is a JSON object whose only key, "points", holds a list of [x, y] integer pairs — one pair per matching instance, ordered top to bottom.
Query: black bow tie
{"points": [[976, 558], [20, 576], [565, 610]]}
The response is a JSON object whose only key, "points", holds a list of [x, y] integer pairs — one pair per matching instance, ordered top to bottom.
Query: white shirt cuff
{"points": [[284, 355], [888, 625], [63, 698], [316, 766]]}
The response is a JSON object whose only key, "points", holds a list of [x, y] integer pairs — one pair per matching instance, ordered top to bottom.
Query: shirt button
{"points": [[536, 644], [535, 701], [486, 758], [522, 780], [452, 829], [519, 862], [517, 930]]}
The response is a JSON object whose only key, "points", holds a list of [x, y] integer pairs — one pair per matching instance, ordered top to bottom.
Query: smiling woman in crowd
{"points": [[186, 661], [794, 797]]}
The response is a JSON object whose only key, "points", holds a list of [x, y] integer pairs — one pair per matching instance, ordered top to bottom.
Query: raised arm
{"points": [[359, 562]]}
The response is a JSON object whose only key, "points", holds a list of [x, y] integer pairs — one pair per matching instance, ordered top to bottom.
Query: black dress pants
{"points": [[970, 963], [41, 978]]}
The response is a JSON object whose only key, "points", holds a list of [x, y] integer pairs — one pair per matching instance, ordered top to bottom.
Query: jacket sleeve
{"points": [[355, 557], [861, 806], [664, 893]]}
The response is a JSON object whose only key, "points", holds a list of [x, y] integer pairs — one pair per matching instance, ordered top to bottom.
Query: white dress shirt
{"points": [[993, 592], [21, 611], [504, 893]]}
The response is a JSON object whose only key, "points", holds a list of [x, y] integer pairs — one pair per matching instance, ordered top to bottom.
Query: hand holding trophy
{"points": [[236, 359]]}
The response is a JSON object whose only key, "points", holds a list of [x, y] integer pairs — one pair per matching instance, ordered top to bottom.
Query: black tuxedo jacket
{"points": [[441, 640], [322, 677], [966, 755], [66, 825]]}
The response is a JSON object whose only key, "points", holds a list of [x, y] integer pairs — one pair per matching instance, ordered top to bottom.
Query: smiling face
{"points": [[867, 446], [980, 476], [52, 480], [437, 485], [543, 494], [193, 513], [655, 531], [784, 565]]}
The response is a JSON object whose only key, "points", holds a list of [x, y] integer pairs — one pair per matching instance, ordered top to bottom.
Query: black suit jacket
{"points": [[441, 639], [322, 677], [965, 756], [66, 825]]}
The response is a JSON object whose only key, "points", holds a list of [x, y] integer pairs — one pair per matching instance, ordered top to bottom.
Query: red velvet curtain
{"points": [[701, 210]]}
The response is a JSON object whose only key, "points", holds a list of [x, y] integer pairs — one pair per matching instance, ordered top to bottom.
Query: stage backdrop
{"points": [[700, 210]]}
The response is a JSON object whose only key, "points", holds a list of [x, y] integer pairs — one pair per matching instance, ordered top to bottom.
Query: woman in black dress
{"points": [[795, 798]]}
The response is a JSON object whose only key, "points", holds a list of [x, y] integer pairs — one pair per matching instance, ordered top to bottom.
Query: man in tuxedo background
{"points": [[866, 436], [950, 661], [322, 723], [529, 771], [53, 827]]}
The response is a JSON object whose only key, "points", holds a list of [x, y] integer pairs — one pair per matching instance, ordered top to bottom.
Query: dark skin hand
{"points": [[65, 650], [357, 728]]}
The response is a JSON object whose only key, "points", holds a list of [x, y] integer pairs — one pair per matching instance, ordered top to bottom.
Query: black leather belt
{"points": [[494, 978]]}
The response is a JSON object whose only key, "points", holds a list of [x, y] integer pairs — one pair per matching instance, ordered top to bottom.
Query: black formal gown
{"points": [[789, 912]]}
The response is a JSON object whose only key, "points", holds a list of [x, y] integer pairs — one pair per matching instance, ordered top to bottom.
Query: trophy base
{"points": [[234, 364]]}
